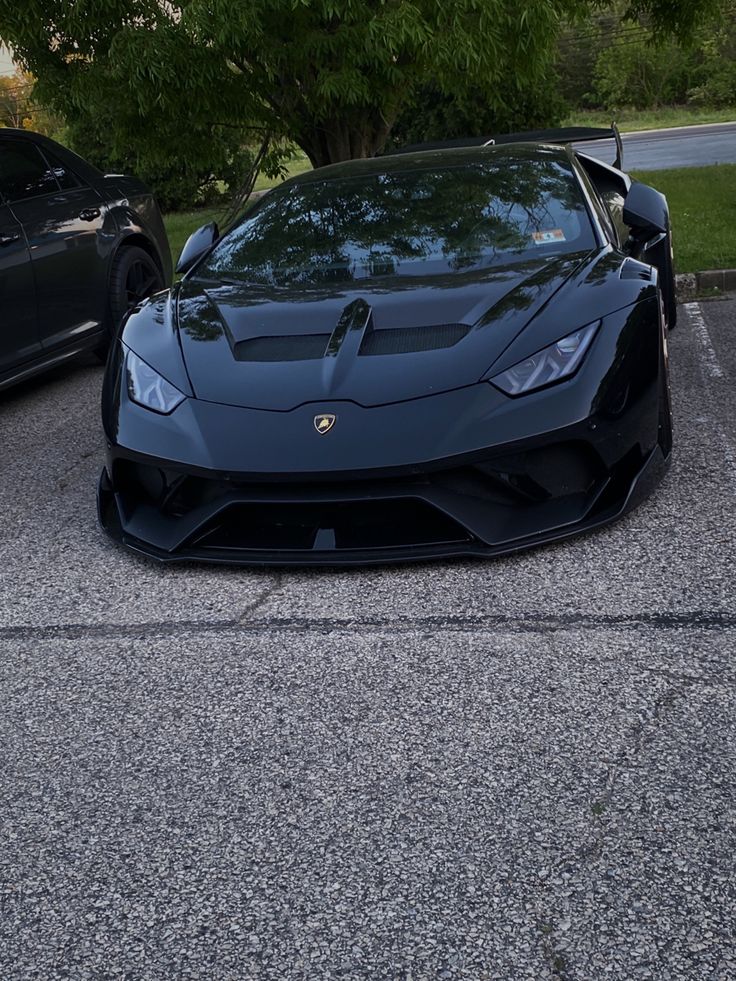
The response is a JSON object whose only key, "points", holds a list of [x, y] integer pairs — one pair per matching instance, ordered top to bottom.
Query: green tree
{"points": [[609, 62], [642, 74], [184, 80], [714, 82], [15, 100], [19, 110], [434, 115]]}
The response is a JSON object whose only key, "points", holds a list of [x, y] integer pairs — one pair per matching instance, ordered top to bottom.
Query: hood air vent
{"points": [[407, 340], [289, 347], [312, 347]]}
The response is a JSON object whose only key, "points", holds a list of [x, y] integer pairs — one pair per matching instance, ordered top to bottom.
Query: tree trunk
{"points": [[344, 139]]}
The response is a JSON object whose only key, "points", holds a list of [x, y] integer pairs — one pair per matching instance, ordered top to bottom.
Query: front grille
{"points": [[408, 340], [488, 499], [343, 525]]}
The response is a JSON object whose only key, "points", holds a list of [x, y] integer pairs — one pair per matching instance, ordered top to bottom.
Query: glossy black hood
{"points": [[277, 349]]}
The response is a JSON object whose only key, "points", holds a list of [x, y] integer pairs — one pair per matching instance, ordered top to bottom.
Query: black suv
{"points": [[78, 248]]}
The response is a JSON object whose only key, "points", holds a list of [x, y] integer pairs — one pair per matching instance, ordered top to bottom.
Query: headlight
{"points": [[551, 364], [148, 388]]}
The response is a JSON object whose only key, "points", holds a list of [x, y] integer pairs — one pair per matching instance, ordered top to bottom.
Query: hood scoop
{"points": [[356, 317], [411, 340], [286, 347], [279, 349]]}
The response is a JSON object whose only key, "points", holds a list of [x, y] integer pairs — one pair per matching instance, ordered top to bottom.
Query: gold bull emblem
{"points": [[324, 422]]}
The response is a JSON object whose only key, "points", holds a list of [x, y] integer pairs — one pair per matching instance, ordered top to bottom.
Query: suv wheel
{"points": [[134, 276]]}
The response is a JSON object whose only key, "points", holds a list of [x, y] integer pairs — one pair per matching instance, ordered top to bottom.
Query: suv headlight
{"points": [[550, 365], [148, 388]]}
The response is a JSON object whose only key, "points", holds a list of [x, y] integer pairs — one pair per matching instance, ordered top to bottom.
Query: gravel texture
{"points": [[519, 769]]}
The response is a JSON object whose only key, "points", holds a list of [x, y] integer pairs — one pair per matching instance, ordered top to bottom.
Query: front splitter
{"points": [[652, 471]]}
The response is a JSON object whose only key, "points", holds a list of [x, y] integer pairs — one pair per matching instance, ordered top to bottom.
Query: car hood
{"points": [[275, 349]]}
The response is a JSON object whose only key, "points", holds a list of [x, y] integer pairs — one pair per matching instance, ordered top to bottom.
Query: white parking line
{"points": [[700, 329], [710, 367]]}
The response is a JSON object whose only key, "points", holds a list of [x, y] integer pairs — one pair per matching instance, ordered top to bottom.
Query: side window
{"points": [[23, 171], [67, 179]]}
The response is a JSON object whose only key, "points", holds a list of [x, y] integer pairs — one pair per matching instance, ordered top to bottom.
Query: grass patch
{"points": [[631, 120], [298, 165], [702, 204], [703, 210], [180, 225]]}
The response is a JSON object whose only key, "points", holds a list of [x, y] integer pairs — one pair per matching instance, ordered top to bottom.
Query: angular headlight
{"points": [[551, 364], [148, 388]]}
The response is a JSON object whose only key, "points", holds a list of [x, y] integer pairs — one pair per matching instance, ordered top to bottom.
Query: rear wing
{"points": [[561, 137]]}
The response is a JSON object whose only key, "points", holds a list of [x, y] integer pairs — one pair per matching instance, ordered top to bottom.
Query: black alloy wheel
{"points": [[135, 275]]}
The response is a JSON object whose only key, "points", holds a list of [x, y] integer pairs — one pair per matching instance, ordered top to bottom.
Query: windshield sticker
{"points": [[553, 235]]}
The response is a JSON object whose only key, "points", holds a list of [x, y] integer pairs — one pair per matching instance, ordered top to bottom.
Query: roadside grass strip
{"points": [[635, 120], [703, 208]]}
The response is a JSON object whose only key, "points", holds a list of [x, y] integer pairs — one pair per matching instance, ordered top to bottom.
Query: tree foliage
{"points": [[610, 66], [189, 84], [15, 100]]}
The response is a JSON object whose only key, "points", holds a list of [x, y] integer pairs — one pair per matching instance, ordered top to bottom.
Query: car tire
{"points": [[134, 276]]}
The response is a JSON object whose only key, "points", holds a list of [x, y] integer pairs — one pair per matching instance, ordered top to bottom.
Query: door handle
{"points": [[89, 214], [9, 239]]}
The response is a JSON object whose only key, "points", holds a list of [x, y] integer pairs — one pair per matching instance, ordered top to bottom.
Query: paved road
{"points": [[663, 149], [522, 769]]}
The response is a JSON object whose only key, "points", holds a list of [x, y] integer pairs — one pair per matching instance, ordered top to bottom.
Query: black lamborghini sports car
{"points": [[450, 351]]}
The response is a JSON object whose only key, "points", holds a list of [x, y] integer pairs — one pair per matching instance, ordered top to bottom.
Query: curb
{"points": [[712, 280]]}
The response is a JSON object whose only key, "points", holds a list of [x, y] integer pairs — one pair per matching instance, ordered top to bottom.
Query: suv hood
{"points": [[275, 349]]}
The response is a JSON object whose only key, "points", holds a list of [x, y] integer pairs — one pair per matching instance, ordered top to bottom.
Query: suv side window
{"points": [[23, 171], [66, 178]]}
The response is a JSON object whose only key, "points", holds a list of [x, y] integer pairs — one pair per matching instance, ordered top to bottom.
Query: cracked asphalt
{"points": [[518, 769]]}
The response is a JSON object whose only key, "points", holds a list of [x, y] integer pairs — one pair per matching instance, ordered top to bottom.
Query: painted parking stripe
{"points": [[710, 358], [711, 368]]}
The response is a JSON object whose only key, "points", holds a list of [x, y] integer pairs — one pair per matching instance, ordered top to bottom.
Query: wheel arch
{"points": [[129, 239], [141, 241]]}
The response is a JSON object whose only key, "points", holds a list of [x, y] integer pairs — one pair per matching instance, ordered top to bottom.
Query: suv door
{"points": [[61, 217], [19, 339]]}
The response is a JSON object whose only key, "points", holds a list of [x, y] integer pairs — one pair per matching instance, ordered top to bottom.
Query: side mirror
{"points": [[645, 212], [196, 245]]}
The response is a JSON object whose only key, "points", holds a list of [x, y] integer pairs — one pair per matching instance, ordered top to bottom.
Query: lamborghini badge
{"points": [[324, 423]]}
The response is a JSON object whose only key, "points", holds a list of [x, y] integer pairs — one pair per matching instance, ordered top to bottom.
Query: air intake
{"points": [[407, 340], [288, 347]]}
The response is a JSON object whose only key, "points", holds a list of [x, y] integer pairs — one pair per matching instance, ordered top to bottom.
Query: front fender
{"points": [[137, 216], [150, 331]]}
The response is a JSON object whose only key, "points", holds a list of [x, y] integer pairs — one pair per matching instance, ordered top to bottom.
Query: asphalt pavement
{"points": [[663, 149], [516, 769]]}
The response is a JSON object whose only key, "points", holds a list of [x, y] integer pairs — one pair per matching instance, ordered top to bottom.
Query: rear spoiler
{"points": [[561, 137]]}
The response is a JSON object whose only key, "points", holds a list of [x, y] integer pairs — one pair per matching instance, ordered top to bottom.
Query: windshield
{"points": [[409, 223]]}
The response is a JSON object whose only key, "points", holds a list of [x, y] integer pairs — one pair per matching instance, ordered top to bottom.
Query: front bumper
{"points": [[469, 472], [449, 514]]}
